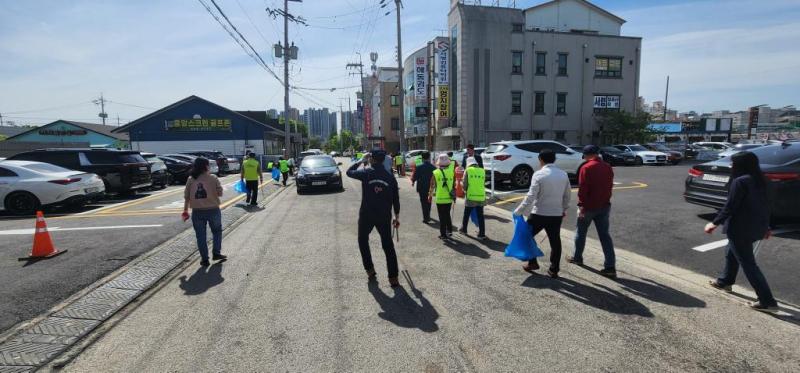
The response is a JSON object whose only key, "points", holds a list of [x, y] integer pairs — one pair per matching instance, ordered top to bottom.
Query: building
{"points": [[546, 72], [384, 98], [416, 106], [272, 114], [294, 114], [348, 121], [321, 123], [198, 124], [68, 131]]}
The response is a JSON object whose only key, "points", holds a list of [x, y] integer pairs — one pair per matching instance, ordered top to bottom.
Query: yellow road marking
{"points": [[637, 185]]}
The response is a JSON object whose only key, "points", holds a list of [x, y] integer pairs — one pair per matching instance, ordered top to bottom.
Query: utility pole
{"points": [[398, 4], [287, 52], [360, 67], [666, 97], [102, 102]]}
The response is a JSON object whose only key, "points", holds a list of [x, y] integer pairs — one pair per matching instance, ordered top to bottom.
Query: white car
{"points": [[714, 145], [738, 148], [411, 155], [643, 155], [517, 160], [26, 186]]}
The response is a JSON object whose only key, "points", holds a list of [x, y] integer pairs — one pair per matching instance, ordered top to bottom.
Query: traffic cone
{"points": [[459, 186], [42, 244]]}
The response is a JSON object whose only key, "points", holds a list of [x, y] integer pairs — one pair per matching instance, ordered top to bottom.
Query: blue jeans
{"points": [[212, 217], [601, 223], [740, 253]]}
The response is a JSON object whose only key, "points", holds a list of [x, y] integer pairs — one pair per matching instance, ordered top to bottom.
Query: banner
{"points": [[441, 62], [420, 79], [444, 101], [606, 102], [367, 120], [198, 125]]}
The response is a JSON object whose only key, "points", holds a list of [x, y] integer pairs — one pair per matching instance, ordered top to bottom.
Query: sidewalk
{"points": [[293, 297]]}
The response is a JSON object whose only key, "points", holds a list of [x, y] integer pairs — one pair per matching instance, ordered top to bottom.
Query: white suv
{"points": [[516, 160]]}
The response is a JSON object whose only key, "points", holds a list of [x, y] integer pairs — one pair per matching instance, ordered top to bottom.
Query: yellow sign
{"points": [[444, 101], [199, 125]]}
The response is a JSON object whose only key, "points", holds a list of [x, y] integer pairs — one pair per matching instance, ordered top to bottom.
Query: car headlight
{"points": [[335, 176]]}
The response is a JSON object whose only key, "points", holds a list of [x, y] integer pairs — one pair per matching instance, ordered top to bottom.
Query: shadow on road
{"points": [[496, 218], [467, 248], [202, 279], [660, 293], [597, 296], [404, 311]]}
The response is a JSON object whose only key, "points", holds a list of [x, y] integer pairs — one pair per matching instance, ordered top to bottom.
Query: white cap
{"points": [[443, 160], [471, 161]]}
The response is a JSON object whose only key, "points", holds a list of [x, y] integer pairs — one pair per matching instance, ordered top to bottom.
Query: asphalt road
{"points": [[650, 217], [99, 239], [295, 298]]}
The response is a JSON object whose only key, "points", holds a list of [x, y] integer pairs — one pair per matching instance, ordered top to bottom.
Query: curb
{"points": [[37, 342]]}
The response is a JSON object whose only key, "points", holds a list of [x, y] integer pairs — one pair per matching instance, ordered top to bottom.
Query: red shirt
{"points": [[595, 181]]}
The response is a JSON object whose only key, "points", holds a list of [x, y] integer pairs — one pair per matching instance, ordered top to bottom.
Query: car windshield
{"points": [[494, 148], [637, 148], [306, 154], [777, 154], [318, 162], [46, 167]]}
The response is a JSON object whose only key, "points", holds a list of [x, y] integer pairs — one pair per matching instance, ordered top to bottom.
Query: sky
{"points": [[56, 56]]}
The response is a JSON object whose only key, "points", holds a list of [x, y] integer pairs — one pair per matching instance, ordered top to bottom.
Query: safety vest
{"points": [[359, 156], [398, 160], [418, 160], [269, 165], [284, 165], [250, 167], [451, 169], [476, 187], [443, 192]]}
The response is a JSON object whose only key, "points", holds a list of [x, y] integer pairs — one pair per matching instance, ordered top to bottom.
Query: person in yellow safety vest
{"points": [[359, 156], [418, 161], [398, 164], [453, 164], [284, 168], [251, 175], [475, 187], [442, 192]]}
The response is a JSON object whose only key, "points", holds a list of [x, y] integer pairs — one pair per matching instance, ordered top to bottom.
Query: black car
{"points": [[690, 151], [673, 156], [616, 157], [225, 164], [178, 169], [158, 170], [122, 171], [318, 171], [707, 184]]}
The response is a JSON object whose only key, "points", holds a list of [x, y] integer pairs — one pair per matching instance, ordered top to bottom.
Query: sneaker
{"points": [[449, 234], [482, 237], [442, 238], [220, 257], [571, 259], [205, 263], [530, 267], [609, 272], [552, 274], [720, 286], [760, 307]]}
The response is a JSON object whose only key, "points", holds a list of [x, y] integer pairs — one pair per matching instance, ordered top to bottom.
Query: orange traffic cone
{"points": [[459, 186], [42, 244]]}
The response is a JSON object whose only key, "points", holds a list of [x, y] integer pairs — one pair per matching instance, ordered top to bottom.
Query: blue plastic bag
{"points": [[276, 174], [240, 187], [474, 217], [522, 246]]}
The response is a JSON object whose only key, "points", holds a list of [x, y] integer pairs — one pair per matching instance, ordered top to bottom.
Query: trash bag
{"points": [[276, 174], [240, 187], [473, 217], [522, 245]]}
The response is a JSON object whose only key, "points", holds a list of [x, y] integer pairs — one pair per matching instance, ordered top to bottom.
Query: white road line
{"points": [[172, 205], [12, 232], [722, 243]]}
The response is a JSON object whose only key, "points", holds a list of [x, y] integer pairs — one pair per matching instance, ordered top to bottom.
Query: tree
{"points": [[301, 127], [623, 127], [346, 140], [314, 143]]}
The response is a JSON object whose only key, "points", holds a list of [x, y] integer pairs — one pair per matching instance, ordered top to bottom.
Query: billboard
{"points": [[443, 51], [420, 79], [443, 102], [606, 102], [367, 120], [198, 125]]}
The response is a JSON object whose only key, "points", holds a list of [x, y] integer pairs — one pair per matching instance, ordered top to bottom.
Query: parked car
{"points": [[714, 145], [738, 148], [690, 151], [304, 154], [334, 154], [411, 155], [643, 155], [673, 156], [616, 157], [516, 160], [225, 164], [213, 166], [178, 169], [158, 170], [122, 171], [318, 171], [707, 183], [27, 186]]}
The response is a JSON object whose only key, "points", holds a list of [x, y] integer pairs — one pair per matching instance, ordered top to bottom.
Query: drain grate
{"points": [[23, 353]]}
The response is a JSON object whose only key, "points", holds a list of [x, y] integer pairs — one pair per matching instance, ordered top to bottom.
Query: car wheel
{"points": [[639, 161], [521, 177], [299, 191], [22, 203]]}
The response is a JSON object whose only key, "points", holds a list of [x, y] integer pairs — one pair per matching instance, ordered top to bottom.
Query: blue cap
{"points": [[591, 149]]}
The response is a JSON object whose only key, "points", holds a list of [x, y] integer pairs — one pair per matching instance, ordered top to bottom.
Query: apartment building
{"points": [[384, 99]]}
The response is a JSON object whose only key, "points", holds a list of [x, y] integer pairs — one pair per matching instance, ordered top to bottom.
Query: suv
{"points": [[644, 156], [516, 160], [225, 164], [158, 170], [122, 171]]}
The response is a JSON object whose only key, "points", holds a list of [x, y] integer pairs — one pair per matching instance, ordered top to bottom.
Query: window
{"points": [[517, 27], [541, 58], [516, 62], [562, 64], [608, 67], [393, 100], [516, 102], [538, 103], [561, 103], [395, 124], [538, 135], [560, 135], [516, 136], [534, 147], [556, 147], [4, 172]]}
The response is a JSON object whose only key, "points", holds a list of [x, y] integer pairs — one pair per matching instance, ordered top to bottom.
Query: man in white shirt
{"points": [[547, 202]]}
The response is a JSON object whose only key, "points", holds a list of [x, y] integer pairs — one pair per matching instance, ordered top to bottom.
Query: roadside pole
{"points": [[491, 164]]}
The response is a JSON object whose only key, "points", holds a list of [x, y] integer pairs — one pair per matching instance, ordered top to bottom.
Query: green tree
{"points": [[623, 127], [346, 140], [314, 143], [332, 144]]}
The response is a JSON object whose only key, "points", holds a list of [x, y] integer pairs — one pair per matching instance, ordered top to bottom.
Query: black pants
{"points": [[285, 176], [252, 191], [426, 206], [481, 221], [445, 223], [383, 224], [551, 226]]}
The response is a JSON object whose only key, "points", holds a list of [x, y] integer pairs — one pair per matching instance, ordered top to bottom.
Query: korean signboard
{"points": [[441, 62], [420, 79], [443, 102], [606, 102], [367, 120], [198, 125], [62, 132]]}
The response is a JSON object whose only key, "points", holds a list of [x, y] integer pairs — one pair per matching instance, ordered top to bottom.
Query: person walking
{"points": [[471, 153], [398, 163], [283, 166], [251, 175], [422, 178], [595, 181], [442, 192], [202, 193], [379, 195], [475, 196], [546, 205], [745, 216]]}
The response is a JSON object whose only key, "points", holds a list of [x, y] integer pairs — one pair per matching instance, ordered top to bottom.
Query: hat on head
{"points": [[591, 149], [378, 152], [443, 160], [471, 161]]}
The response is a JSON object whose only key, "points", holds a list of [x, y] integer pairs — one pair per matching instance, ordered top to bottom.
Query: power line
{"points": [[131, 105]]}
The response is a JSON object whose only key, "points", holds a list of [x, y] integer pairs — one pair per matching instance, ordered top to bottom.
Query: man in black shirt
{"points": [[422, 177]]}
